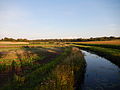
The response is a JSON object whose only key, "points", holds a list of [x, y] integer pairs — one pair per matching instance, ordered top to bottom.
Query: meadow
{"points": [[50, 65], [40, 66]]}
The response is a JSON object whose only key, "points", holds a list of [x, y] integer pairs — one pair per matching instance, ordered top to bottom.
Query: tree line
{"points": [[12, 39], [61, 40]]}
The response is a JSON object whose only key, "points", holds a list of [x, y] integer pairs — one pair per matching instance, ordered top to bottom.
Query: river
{"points": [[100, 73]]}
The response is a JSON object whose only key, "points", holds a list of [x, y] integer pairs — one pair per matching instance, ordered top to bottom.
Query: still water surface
{"points": [[100, 73]]}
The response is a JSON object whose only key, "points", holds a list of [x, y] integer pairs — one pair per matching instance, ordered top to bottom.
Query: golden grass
{"points": [[8, 42], [113, 42], [16, 54], [8, 56]]}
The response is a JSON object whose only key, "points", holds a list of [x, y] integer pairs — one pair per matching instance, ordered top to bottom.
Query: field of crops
{"points": [[40, 68]]}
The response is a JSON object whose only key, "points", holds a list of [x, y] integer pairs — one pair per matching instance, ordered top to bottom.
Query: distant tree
{"points": [[8, 39], [22, 40]]}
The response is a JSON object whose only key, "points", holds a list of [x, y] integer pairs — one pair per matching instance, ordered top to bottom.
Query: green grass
{"points": [[28, 44], [102, 45], [8, 46], [109, 53], [26, 57], [22, 60], [63, 72], [67, 74], [35, 77]]}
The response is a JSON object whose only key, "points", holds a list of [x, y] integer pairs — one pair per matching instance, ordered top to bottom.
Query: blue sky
{"points": [[35, 19]]}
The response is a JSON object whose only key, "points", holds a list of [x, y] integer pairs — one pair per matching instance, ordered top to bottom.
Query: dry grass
{"points": [[8, 42], [113, 42], [22, 44], [17, 54], [7, 57], [17, 62]]}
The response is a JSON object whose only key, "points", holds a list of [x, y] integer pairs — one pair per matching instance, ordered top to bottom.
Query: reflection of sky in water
{"points": [[100, 74]]}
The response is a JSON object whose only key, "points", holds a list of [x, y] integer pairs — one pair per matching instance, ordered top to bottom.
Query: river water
{"points": [[100, 73]]}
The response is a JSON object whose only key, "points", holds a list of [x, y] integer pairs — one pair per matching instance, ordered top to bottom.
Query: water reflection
{"points": [[100, 74]]}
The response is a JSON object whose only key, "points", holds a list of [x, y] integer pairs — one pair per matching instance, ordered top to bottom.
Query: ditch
{"points": [[101, 74]]}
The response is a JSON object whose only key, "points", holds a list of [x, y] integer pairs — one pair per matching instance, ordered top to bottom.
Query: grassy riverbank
{"points": [[102, 45], [106, 51], [68, 74]]}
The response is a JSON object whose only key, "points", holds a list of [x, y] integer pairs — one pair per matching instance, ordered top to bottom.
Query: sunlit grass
{"points": [[109, 53], [62, 72]]}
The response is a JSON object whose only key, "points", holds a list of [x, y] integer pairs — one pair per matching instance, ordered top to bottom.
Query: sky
{"points": [[44, 19]]}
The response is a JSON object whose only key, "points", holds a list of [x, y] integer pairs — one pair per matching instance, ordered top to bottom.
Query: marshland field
{"points": [[57, 65], [40, 67]]}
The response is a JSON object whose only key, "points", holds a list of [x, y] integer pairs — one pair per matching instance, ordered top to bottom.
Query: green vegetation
{"points": [[11, 39], [40, 44], [102, 45], [110, 52], [8, 55], [26, 61], [40, 68], [68, 74], [35, 77]]}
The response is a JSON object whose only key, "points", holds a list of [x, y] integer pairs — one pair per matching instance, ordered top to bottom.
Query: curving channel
{"points": [[100, 73]]}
